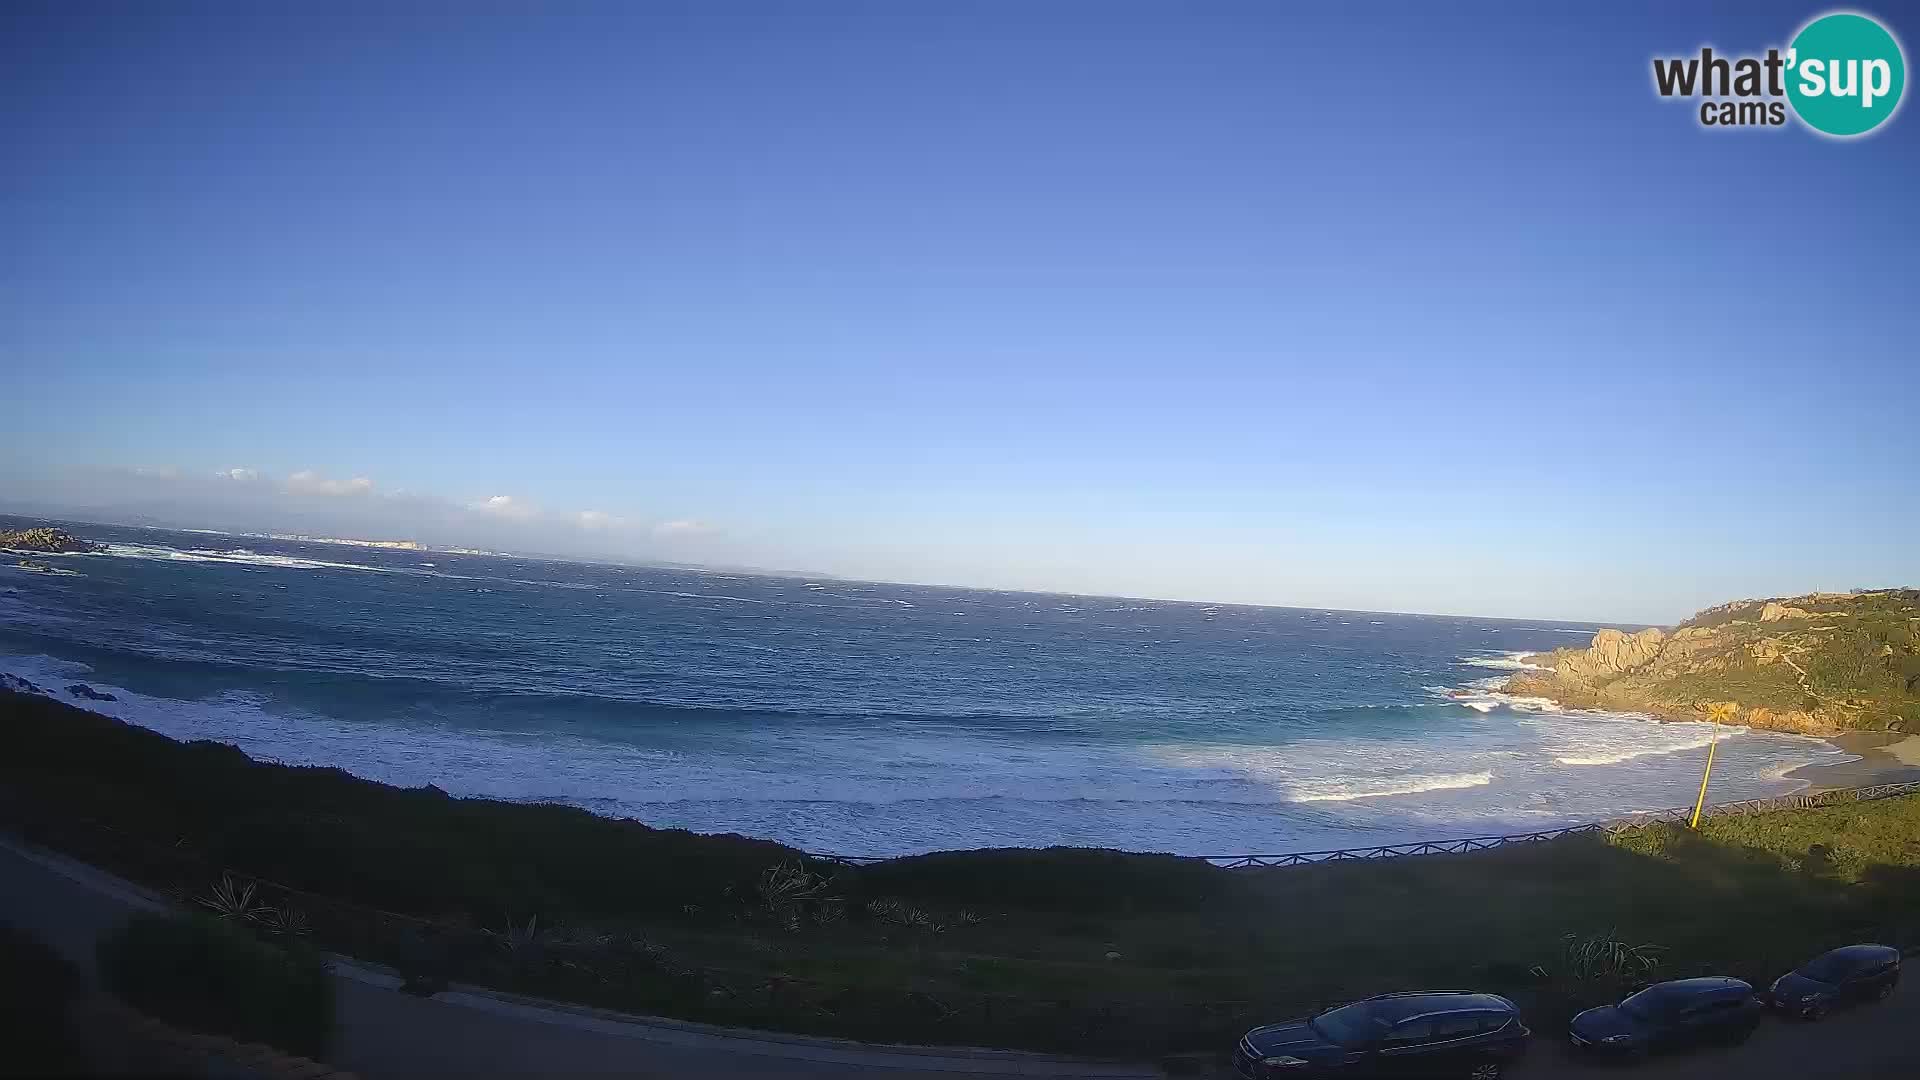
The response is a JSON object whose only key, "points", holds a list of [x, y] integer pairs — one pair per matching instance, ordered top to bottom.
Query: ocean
{"points": [[851, 717]]}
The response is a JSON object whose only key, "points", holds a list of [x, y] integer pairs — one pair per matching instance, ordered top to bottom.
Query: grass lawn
{"points": [[1096, 952]]}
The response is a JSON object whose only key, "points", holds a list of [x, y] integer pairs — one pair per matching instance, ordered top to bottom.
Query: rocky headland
{"points": [[46, 540], [1821, 664]]}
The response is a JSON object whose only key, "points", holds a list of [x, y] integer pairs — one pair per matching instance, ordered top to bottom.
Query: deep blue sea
{"points": [[851, 717]]}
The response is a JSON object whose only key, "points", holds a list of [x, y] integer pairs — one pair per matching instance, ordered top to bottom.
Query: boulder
{"points": [[1613, 653]]}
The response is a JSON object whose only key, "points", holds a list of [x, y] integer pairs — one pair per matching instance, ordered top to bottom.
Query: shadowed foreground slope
{"points": [[1097, 952]]}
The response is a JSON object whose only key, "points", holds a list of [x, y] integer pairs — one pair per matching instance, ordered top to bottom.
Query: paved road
{"points": [[384, 1033]]}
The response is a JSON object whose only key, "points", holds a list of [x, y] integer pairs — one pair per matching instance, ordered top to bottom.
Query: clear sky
{"points": [[1388, 307]]}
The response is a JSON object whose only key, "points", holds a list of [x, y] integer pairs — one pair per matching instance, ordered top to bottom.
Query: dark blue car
{"points": [[1845, 975], [1670, 1015], [1450, 1033]]}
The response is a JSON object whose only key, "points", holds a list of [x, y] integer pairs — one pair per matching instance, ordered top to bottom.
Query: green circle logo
{"points": [[1845, 73]]}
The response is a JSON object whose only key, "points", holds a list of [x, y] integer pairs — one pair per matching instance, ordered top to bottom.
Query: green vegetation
{"points": [[1821, 663], [1054, 880], [1088, 951], [211, 975]]}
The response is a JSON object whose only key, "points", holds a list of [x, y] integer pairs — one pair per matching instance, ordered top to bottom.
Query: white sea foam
{"points": [[238, 556], [1505, 661], [1481, 697], [1634, 753], [1317, 771], [1343, 790]]}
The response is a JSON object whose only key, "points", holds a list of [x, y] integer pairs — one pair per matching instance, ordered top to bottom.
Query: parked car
{"points": [[1845, 975], [1670, 1015], [1451, 1033]]}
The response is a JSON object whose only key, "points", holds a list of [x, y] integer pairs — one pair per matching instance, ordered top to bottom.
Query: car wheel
{"points": [[1883, 991], [1815, 1011], [1486, 1070]]}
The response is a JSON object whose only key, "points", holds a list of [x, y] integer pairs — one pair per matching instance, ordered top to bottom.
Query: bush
{"points": [[324, 830], [1053, 879], [212, 977], [37, 988]]}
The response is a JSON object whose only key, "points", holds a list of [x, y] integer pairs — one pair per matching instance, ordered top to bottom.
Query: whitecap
{"points": [[1504, 661], [1617, 756], [1342, 789]]}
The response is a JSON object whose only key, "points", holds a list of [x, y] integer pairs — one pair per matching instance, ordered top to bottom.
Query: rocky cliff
{"points": [[51, 541], [1818, 664]]}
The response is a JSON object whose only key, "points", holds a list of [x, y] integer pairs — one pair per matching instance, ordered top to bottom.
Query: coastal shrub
{"points": [[323, 830], [408, 867], [1053, 879], [208, 975], [37, 991]]}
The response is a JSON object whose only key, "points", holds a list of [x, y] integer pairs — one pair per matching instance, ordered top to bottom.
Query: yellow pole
{"points": [[1715, 711]]}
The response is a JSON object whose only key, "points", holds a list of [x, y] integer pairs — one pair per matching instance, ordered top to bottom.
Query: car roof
{"points": [[1860, 953], [1705, 984], [1394, 1008]]}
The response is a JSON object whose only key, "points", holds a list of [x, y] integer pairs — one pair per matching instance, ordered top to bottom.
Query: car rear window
{"points": [[1831, 967], [1653, 1002], [1350, 1025], [1459, 1025], [1423, 1029]]}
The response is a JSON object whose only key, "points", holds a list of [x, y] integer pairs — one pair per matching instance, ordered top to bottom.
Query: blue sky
{"points": [[1386, 308]]}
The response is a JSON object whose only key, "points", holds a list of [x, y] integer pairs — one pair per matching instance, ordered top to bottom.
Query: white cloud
{"points": [[241, 475], [308, 482], [505, 506], [596, 519], [681, 527]]}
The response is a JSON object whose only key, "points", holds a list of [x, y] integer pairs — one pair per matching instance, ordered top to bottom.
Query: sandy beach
{"points": [[1885, 757]]}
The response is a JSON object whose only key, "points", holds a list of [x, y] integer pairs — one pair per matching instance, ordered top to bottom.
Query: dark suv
{"points": [[1848, 974], [1670, 1015], [1452, 1033]]}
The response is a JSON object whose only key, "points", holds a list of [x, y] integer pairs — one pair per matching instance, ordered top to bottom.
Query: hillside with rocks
{"points": [[1819, 664]]}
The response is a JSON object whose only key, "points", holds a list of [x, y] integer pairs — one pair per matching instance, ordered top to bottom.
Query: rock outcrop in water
{"points": [[48, 540], [1818, 665], [16, 684]]}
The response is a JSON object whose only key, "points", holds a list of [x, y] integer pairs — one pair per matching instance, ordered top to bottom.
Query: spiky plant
{"points": [[231, 901], [283, 921], [1607, 956]]}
